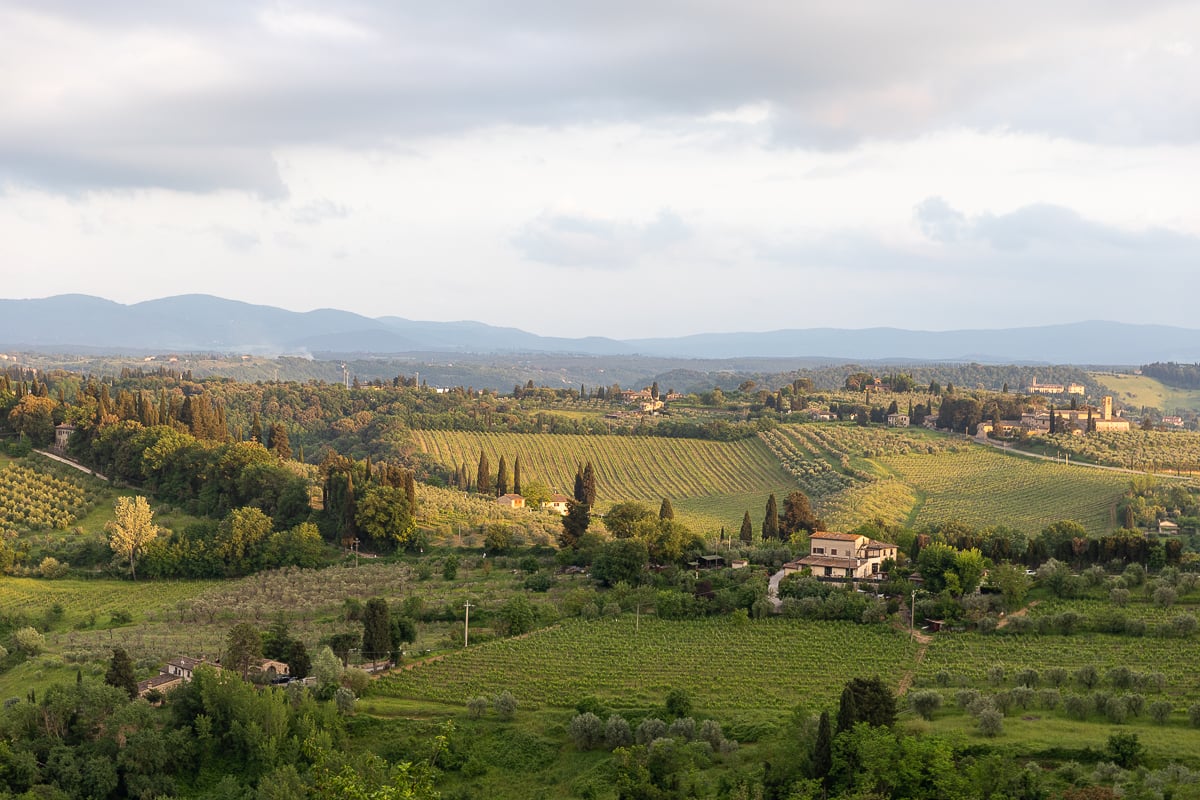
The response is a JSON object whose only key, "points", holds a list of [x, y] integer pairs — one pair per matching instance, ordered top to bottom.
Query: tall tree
{"points": [[1053, 420], [279, 441], [483, 475], [517, 475], [502, 478], [589, 484], [580, 492], [665, 511], [797, 514], [574, 525], [770, 526], [131, 529], [747, 532], [377, 625], [243, 647], [120, 672], [822, 757]]}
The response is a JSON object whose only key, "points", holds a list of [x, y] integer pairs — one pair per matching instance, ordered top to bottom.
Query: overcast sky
{"points": [[618, 168]]}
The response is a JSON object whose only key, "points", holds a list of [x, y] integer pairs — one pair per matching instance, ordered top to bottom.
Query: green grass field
{"points": [[1135, 391], [711, 483], [760, 667]]}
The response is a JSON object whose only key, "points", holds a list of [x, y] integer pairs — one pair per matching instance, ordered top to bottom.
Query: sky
{"points": [[624, 169]]}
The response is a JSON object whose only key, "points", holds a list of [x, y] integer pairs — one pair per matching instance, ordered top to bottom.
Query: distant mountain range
{"points": [[203, 323]]}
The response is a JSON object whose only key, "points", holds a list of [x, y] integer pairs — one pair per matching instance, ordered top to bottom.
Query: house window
{"points": [[819, 550], [833, 552], [829, 572]]}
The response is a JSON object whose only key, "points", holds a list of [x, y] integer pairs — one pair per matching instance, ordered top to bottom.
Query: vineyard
{"points": [[1153, 451], [627, 467], [855, 474], [981, 487], [33, 500], [965, 659], [765, 665]]}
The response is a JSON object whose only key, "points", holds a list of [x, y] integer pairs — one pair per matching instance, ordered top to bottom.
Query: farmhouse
{"points": [[897, 420], [62, 435], [511, 500], [559, 503], [843, 556]]}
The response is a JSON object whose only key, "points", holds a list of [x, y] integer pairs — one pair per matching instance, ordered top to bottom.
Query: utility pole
{"points": [[354, 547], [912, 616], [467, 624]]}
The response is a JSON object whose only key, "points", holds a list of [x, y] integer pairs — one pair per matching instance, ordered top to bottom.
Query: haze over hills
{"points": [[191, 323]]}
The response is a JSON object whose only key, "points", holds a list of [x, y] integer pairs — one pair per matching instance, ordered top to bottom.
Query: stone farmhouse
{"points": [[511, 500], [558, 503], [843, 557]]}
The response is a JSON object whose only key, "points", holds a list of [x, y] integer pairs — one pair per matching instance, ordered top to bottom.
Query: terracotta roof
{"points": [[510, 496], [559, 498], [841, 537], [874, 545], [158, 682]]}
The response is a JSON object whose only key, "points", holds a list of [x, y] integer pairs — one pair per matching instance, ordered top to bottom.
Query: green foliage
{"points": [[376, 638], [242, 648], [121, 674], [678, 704]]}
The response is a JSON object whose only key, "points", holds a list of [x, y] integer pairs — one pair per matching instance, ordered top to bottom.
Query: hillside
{"points": [[1137, 391]]}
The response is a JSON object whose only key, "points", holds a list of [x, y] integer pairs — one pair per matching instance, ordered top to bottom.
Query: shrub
{"points": [[53, 568], [450, 568], [539, 582], [1165, 596], [1119, 597], [120, 617], [30, 641], [3, 652], [995, 675], [1056, 676], [1087, 676], [1027, 677], [1120, 677], [942, 678], [356, 680], [1023, 696], [965, 698], [1049, 698], [344, 699], [679, 703], [925, 703], [1136, 704], [505, 705], [1078, 706], [477, 707], [1116, 710], [1160, 711], [1194, 715], [991, 723], [682, 728], [650, 729], [586, 731], [710, 731], [617, 732], [1125, 750]]}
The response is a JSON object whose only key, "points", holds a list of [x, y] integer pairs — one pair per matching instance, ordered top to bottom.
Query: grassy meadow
{"points": [[1136, 391]]}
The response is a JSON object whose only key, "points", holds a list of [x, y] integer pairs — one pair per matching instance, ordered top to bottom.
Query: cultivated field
{"points": [[1153, 451], [632, 468], [914, 477], [759, 666]]}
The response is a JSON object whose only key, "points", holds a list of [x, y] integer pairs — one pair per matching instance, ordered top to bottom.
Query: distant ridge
{"points": [[204, 323]]}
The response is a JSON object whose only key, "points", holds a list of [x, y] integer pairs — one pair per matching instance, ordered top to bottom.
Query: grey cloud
{"points": [[833, 73], [319, 211], [1053, 235], [564, 240]]}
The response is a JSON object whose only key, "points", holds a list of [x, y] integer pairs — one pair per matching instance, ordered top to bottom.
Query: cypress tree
{"points": [[1053, 421], [483, 475], [517, 475], [502, 478], [589, 484], [580, 491], [410, 492], [665, 511], [770, 526], [747, 533], [377, 627], [120, 672], [847, 711], [822, 758]]}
